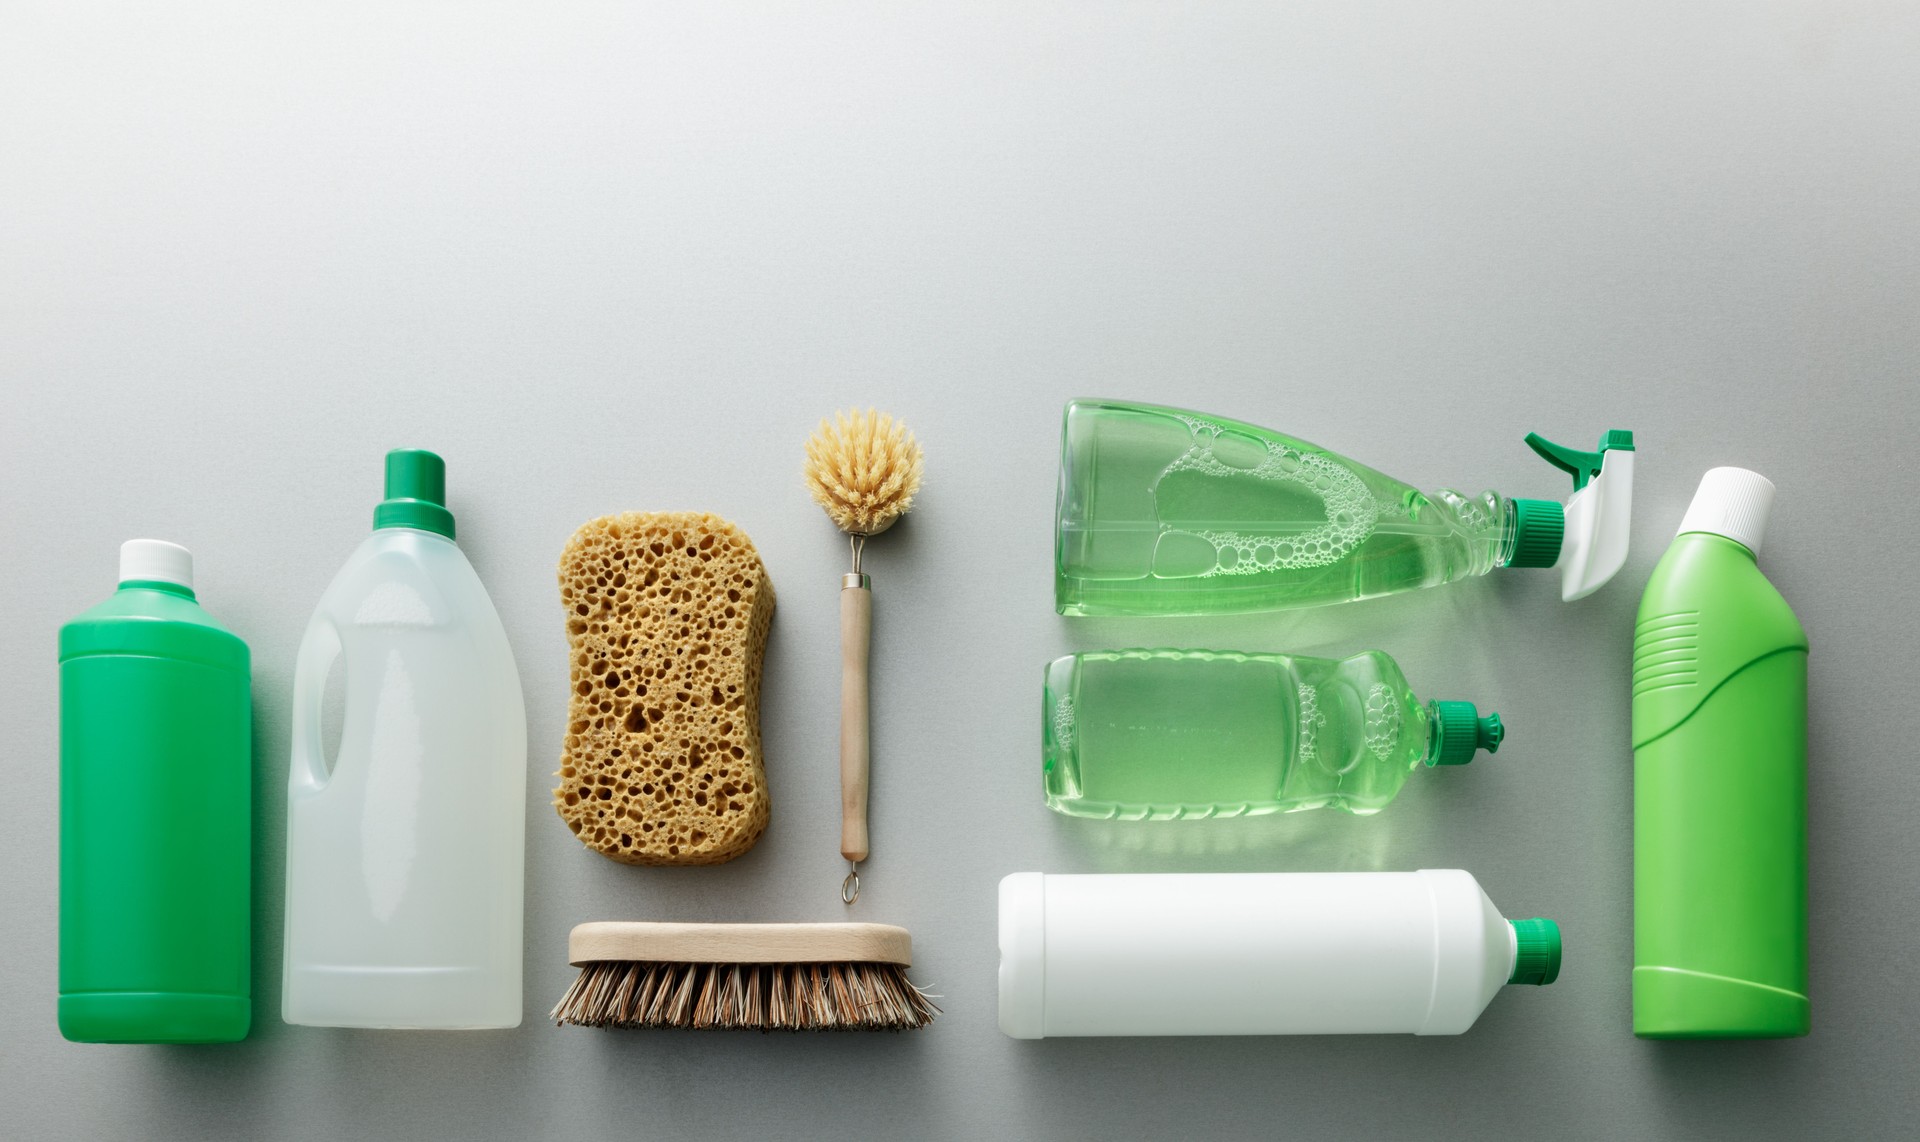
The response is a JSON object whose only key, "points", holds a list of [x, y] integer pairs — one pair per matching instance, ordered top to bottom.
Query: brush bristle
{"points": [[864, 469], [766, 997]]}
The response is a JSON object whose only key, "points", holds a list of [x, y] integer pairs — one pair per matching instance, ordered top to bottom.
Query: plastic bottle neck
{"points": [[425, 533], [1532, 533], [1716, 539], [179, 589]]}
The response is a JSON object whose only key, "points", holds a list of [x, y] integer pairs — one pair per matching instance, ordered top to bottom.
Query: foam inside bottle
{"points": [[1169, 512]]}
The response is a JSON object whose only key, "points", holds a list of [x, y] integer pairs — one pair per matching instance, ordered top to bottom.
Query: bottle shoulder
{"points": [[391, 546], [400, 574], [1707, 576], [401, 585], [1708, 613], [141, 621]]}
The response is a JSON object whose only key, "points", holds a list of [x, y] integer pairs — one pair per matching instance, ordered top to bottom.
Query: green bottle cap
{"points": [[416, 493], [1538, 527], [1459, 731], [1536, 956]]}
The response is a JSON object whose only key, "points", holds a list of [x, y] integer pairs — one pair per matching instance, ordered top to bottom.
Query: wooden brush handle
{"points": [[856, 638], [605, 940]]}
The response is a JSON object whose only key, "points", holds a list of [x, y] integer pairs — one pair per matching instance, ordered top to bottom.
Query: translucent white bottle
{"points": [[405, 855], [1304, 953]]}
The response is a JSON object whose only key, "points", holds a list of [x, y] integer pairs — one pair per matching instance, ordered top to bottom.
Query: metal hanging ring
{"points": [[850, 887]]}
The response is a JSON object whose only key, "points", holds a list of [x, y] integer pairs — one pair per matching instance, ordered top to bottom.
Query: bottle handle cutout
{"points": [[319, 651]]}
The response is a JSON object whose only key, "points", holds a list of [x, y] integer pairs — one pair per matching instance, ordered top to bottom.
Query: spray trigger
{"points": [[1584, 467], [1586, 538]]}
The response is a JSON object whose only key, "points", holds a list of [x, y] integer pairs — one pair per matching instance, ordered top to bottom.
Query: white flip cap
{"points": [[1732, 502], [156, 559]]}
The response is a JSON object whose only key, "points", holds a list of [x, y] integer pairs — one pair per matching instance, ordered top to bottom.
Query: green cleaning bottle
{"points": [[1167, 512], [1159, 734], [1719, 783], [156, 803]]}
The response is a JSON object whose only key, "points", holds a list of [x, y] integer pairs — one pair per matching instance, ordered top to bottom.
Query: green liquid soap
{"points": [[1167, 512], [1163, 734]]}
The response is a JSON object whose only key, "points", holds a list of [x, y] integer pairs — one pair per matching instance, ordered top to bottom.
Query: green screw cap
{"points": [[416, 493], [1538, 527], [1459, 732], [1536, 958]]}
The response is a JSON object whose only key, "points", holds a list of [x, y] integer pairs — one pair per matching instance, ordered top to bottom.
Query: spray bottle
{"points": [[1169, 512]]}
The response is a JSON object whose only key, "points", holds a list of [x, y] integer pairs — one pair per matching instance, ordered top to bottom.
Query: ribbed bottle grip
{"points": [[1666, 652]]}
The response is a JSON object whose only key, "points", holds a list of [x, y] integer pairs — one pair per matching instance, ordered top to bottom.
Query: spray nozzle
{"points": [[1587, 536]]}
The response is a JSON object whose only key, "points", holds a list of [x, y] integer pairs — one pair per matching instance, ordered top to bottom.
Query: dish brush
{"points": [[864, 469], [769, 977]]}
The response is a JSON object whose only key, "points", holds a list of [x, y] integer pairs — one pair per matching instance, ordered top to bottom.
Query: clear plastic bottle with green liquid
{"points": [[1168, 512], [1159, 734]]}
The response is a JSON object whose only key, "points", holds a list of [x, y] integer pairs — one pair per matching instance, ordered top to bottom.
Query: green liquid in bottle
{"points": [[1165, 512], [1157, 734]]}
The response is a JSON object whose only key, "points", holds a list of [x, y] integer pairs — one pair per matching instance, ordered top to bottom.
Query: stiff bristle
{"points": [[864, 469], [760, 996]]}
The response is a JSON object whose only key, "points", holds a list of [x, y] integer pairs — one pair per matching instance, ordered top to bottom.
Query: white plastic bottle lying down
{"points": [[1318, 953]]}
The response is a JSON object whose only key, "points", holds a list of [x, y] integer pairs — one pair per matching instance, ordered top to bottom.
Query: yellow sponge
{"points": [[667, 617]]}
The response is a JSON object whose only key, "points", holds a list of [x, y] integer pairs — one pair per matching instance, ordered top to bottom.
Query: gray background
{"points": [[606, 258]]}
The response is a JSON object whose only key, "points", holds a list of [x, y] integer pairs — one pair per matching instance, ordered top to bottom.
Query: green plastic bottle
{"points": [[1168, 512], [1160, 734], [1719, 783], [156, 799]]}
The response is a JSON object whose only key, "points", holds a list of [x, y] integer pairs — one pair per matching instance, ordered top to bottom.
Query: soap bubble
{"points": [[1349, 507], [1311, 719], [1383, 720], [1063, 723]]}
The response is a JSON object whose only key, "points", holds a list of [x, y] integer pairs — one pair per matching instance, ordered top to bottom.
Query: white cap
{"points": [[1732, 502], [158, 560], [1023, 955]]}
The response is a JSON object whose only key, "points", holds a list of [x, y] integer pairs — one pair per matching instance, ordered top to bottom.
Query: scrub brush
{"points": [[864, 469], [769, 977]]}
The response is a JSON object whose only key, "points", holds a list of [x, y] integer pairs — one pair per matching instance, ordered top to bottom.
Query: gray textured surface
{"points": [[609, 260]]}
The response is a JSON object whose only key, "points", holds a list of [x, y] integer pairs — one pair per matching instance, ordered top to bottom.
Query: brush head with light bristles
{"points": [[864, 469], [768, 977]]}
